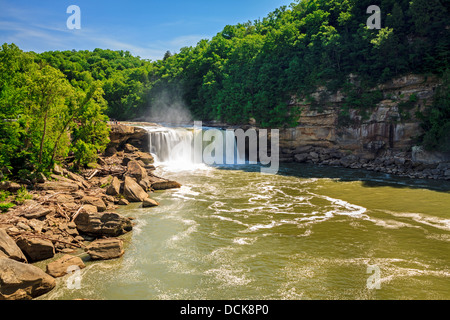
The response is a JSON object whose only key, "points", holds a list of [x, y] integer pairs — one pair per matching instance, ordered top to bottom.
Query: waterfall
{"points": [[171, 145], [177, 146]]}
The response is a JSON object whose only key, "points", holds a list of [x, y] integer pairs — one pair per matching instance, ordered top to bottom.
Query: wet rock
{"points": [[164, 185], [133, 191], [123, 202], [148, 203], [102, 224], [9, 248], [36, 249], [105, 249], [60, 267], [21, 281]]}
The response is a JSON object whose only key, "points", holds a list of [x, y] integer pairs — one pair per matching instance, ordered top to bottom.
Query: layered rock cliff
{"points": [[382, 139]]}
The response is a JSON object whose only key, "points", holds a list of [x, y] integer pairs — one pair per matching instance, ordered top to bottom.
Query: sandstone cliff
{"points": [[383, 139]]}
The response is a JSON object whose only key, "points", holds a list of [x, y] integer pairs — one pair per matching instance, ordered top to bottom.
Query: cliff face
{"points": [[385, 134]]}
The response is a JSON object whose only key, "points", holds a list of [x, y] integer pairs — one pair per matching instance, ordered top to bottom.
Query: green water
{"points": [[306, 233]]}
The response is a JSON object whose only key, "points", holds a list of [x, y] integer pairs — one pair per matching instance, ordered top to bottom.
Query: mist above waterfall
{"points": [[168, 108]]}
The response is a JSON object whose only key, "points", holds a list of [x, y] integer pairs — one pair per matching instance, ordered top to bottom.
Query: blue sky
{"points": [[145, 28]]}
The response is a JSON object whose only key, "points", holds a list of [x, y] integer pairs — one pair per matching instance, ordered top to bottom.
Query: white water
{"points": [[176, 148]]}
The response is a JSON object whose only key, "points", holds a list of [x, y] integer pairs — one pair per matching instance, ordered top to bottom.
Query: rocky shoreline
{"points": [[404, 164], [71, 211]]}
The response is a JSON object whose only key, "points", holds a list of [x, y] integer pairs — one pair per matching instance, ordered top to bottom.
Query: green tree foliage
{"points": [[250, 70], [43, 115], [436, 120]]}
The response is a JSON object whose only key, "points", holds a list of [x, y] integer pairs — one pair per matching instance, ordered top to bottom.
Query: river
{"points": [[307, 232]]}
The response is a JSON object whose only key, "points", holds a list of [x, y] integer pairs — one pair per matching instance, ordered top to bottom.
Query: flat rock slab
{"points": [[59, 186], [36, 211], [102, 224], [105, 249], [21, 281]]}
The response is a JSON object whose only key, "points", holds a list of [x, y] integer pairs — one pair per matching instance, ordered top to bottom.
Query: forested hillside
{"points": [[249, 70]]}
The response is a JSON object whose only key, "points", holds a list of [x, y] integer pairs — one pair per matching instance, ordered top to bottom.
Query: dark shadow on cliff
{"points": [[369, 179]]}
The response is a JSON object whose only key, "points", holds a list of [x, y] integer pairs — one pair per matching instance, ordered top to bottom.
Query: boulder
{"points": [[128, 148], [110, 151], [314, 155], [420, 155], [146, 158], [300, 158], [135, 170], [105, 181], [145, 184], [164, 185], [114, 187], [133, 191], [94, 201], [123, 202], [148, 203], [89, 208], [102, 224], [36, 225], [9, 248], [36, 249], [105, 249], [59, 267], [21, 281]]}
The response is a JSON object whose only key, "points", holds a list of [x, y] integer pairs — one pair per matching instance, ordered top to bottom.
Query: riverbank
{"points": [[414, 163], [71, 211]]}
